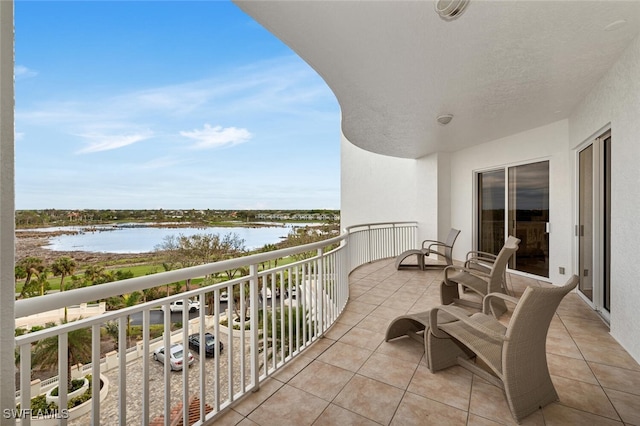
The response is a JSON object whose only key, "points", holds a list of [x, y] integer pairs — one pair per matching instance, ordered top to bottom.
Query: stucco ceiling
{"points": [[502, 67]]}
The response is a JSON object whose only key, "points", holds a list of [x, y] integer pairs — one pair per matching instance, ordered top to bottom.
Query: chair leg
{"points": [[448, 293], [442, 353]]}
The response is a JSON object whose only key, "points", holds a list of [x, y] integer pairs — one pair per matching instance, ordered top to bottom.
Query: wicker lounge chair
{"points": [[443, 250], [483, 274], [445, 350], [515, 354]]}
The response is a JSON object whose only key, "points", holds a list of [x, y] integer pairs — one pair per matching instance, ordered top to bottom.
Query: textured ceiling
{"points": [[502, 67]]}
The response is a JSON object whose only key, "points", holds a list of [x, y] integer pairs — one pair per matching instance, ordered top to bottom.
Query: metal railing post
{"points": [[320, 295], [255, 356]]}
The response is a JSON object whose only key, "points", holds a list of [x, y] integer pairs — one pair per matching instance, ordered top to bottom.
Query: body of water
{"points": [[135, 238]]}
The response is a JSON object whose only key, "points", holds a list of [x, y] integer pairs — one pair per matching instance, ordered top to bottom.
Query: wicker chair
{"points": [[443, 250], [482, 273], [515, 354]]}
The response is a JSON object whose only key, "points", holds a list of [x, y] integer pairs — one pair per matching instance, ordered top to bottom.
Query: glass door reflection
{"points": [[491, 208], [529, 216]]}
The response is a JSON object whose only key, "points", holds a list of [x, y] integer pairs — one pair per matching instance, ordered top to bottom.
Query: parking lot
{"points": [[109, 408]]}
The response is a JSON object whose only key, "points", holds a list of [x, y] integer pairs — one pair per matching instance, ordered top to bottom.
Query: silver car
{"points": [[176, 358]]}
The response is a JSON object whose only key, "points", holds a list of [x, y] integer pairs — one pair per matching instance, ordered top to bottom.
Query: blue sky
{"points": [[159, 104]]}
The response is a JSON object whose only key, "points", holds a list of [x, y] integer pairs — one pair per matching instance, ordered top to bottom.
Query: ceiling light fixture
{"points": [[450, 9], [444, 119]]}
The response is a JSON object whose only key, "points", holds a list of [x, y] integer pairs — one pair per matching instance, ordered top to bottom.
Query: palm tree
{"points": [[267, 248], [32, 266], [63, 266], [93, 272], [43, 282], [129, 300], [45, 353]]}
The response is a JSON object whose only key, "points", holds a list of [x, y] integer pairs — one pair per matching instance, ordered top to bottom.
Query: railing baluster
{"points": [[319, 297], [146, 326], [216, 332], [243, 355], [203, 356], [255, 359], [185, 360], [230, 366], [167, 369], [122, 373], [63, 374], [95, 374], [25, 381]]}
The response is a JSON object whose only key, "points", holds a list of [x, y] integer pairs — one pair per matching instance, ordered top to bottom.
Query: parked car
{"points": [[266, 292], [293, 293], [224, 296], [178, 305], [210, 343], [176, 357]]}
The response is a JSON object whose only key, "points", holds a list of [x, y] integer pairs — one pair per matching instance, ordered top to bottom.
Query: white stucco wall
{"points": [[616, 100], [544, 143], [375, 188], [438, 192]]}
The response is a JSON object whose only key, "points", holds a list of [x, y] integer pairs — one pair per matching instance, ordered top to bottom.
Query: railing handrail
{"points": [[348, 229], [322, 297], [35, 305]]}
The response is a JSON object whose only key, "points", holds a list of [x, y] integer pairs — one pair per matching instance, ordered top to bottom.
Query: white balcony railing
{"points": [[259, 333]]}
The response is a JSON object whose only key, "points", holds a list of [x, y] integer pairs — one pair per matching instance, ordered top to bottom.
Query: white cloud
{"points": [[21, 71], [215, 137], [101, 142]]}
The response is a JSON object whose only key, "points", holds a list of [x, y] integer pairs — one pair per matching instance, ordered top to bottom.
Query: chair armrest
{"points": [[433, 243], [481, 254], [481, 258], [457, 268], [486, 307], [433, 324]]}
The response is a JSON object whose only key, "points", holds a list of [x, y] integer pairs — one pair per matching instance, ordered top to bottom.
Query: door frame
{"points": [[476, 200], [600, 231]]}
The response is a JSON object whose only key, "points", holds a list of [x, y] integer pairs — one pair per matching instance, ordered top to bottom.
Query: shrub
{"points": [[75, 385]]}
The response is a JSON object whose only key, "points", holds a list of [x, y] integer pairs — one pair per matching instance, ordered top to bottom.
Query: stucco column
{"points": [[7, 213]]}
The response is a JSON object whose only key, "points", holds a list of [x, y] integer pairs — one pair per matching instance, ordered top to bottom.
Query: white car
{"points": [[266, 292], [224, 296], [178, 306], [176, 358]]}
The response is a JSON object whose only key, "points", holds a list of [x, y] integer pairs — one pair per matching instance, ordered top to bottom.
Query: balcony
{"points": [[331, 365], [352, 376]]}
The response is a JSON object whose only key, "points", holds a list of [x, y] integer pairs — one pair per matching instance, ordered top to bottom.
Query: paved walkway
{"points": [[109, 411]]}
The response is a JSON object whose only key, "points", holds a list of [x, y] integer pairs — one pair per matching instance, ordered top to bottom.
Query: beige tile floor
{"points": [[352, 377]]}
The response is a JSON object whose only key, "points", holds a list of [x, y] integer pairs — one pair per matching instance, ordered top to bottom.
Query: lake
{"points": [[136, 238]]}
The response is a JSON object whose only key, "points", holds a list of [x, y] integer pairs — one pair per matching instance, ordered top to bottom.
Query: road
{"points": [[157, 316]]}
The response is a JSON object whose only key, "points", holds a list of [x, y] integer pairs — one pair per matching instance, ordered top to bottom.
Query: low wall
{"points": [[83, 310]]}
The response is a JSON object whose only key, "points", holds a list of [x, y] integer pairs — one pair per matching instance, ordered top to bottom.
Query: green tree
{"points": [[267, 248], [32, 266], [63, 266], [93, 272], [43, 282], [129, 300], [111, 328], [45, 352]]}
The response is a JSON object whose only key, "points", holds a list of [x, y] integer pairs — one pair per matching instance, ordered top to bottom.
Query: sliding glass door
{"points": [[522, 192], [491, 211], [593, 229]]}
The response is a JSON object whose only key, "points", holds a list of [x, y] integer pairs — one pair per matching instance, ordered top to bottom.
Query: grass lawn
{"points": [[139, 270]]}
